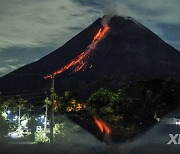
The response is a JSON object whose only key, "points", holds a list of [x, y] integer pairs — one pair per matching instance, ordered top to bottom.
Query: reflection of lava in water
{"points": [[79, 62], [102, 126]]}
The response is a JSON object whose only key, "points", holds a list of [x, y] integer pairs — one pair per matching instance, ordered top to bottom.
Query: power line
{"points": [[29, 74], [28, 84], [26, 91], [25, 94], [31, 94], [36, 97], [38, 109]]}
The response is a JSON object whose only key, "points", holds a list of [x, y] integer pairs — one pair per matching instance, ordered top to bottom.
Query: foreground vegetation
{"points": [[127, 111]]}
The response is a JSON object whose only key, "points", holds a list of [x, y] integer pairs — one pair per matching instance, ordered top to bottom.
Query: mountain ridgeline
{"points": [[129, 52]]}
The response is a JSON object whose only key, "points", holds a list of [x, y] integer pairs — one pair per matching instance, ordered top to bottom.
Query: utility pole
{"points": [[0, 97], [1, 102], [52, 111], [19, 117], [45, 121]]}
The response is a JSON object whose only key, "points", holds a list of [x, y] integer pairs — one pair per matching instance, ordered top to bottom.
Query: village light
{"points": [[15, 118], [24, 122], [177, 122]]}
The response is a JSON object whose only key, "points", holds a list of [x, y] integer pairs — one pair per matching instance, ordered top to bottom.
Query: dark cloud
{"points": [[92, 3], [139, 9], [93, 11], [76, 15], [38, 24], [75, 28], [171, 31], [171, 34], [13, 58]]}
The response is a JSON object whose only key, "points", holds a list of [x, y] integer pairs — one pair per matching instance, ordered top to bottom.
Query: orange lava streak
{"points": [[79, 61], [78, 68], [102, 126]]}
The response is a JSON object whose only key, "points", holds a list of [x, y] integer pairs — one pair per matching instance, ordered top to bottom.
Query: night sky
{"points": [[30, 29]]}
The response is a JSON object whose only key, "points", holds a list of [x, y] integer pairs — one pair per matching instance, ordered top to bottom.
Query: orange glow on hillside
{"points": [[79, 62], [76, 106], [102, 126]]}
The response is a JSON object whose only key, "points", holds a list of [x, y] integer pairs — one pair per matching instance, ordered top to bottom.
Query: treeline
{"points": [[129, 110]]}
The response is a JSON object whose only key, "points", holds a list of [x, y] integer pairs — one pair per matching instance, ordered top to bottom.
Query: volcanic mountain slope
{"points": [[127, 52]]}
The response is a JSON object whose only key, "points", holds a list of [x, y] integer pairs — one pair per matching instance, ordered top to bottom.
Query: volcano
{"points": [[111, 52], [128, 52]]}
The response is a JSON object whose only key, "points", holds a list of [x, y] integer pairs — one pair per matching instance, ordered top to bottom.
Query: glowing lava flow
{"points": [[79, 62], [102, 126]]}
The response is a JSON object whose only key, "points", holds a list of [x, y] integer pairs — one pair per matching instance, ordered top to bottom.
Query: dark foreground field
{"points": [[154, 141]]}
